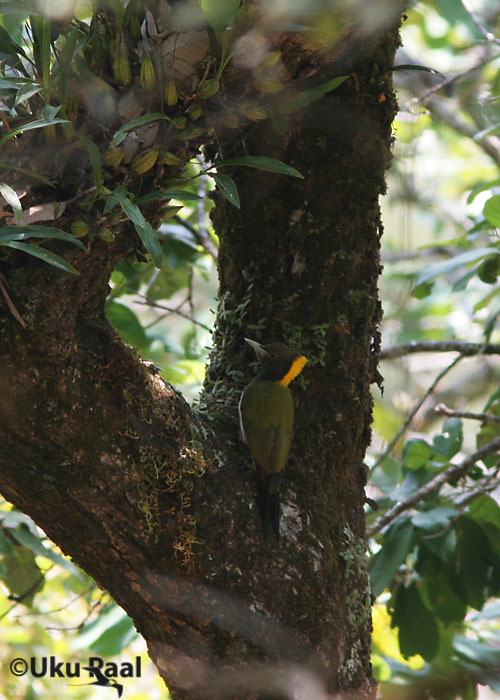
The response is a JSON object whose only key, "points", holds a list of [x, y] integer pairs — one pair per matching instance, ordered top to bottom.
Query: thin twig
{"points": [[489, 36], [454, 78], [10, 303], [173, 310], [466, 349], [414, 410], [443, 410], [452, 472], [487, 486]]}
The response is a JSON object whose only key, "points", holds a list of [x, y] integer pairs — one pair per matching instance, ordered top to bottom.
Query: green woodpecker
{"points": [[266, 419]]}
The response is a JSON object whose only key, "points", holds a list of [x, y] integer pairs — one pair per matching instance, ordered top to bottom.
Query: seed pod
{"points": [[271, 58], [121, 70], [148, 80], [269, 85], [209, 88], [171, 97], [253, 111], [195, 113], [230, 119], [180, 122], [191, 132], [114, 156], [169, 158], [144, 161], [169, 211], [79, 228], [106, 234]]}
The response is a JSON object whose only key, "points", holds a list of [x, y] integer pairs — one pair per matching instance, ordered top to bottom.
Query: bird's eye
{"points": [[271, 354]]}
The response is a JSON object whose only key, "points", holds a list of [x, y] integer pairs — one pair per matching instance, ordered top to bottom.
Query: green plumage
{"points": [[266, 418]]}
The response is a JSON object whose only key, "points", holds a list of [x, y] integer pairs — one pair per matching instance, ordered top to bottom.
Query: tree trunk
{"points": [[157, 501]]}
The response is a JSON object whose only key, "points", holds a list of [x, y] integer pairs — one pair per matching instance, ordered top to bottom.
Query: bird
{"points": [[266, 421], [102, 680]]}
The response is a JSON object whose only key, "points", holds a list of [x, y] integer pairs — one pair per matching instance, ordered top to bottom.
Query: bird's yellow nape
{"points": [[295, 369]]}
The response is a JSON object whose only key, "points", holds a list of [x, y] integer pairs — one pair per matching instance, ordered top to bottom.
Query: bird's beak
{"points": [[259, 350]]}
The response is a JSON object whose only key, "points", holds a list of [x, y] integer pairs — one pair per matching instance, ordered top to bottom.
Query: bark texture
{"points": [[156, 501]]}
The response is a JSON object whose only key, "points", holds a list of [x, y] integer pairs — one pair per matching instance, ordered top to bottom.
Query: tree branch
{"points": [[464, 348], [414, 410], [443, 410], [452, 472]]}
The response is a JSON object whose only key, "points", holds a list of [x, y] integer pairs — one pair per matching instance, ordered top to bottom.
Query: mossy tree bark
{"points": [[156, 501]]}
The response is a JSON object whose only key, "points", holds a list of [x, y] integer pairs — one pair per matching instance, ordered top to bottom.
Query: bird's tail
{"points": [[268, 497]]}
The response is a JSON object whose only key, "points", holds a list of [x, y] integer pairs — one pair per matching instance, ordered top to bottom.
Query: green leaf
{"points": [[220, 13], [10, 51], [412, 66], [26, 91], [301, 99], [37, 124], [120, 135], [94, 155], [272, 165], [25, 171], [227, 187], [481, 187], [180, 195], [12, 199], [491, 211], [144, 229], [21, 233], [44, 255], [445, 266], [127, 324], [448, 444], [416, 453], [387, 475], [485, 511], [434, 519], [29, 540], [384, 565], [476, 570], [21, 575], [446, 605], [418, 629], [109, 634], [477, 652]]}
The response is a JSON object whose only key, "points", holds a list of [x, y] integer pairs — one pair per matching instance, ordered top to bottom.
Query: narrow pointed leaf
{"points": [[137, 121], [37, 124], [272, 165], [227, 187], [11, 198], [144, 229], [21, 233], [44, 255]]}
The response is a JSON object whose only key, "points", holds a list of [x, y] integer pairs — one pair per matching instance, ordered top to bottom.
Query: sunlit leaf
{"points": [[220, 13], [305, 97], [133, 123], [272, 165], [227, 187], [12, 199], [491, 210], [144, 229], [23, 233], [45, 255], [446, 266], [385, 563], [418, 629]]}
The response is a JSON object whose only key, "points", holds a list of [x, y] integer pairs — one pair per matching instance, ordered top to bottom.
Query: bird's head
{"points": [[279, 362]]}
